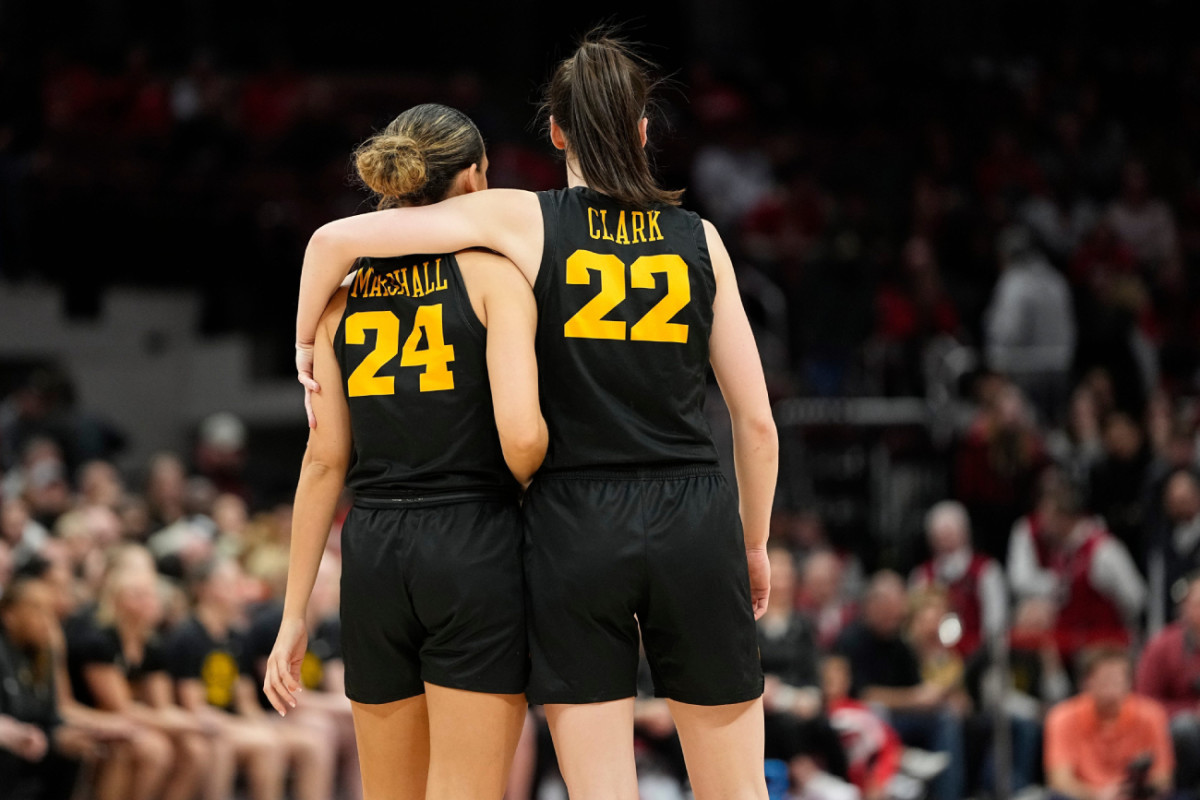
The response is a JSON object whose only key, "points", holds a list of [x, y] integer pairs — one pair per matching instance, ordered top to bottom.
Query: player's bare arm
{"points": [[738, 369], [322, 476]]}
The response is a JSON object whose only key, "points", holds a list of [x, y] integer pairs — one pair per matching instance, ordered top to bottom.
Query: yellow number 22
{"points": [[656, 325], [435, 357]]}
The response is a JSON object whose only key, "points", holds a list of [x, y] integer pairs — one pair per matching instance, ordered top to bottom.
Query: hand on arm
{"points": [[738, 369]]}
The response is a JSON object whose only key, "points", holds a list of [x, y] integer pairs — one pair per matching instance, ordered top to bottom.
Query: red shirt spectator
{"points": [[1059, 553], [973, 582], [1169, 669], [872, 746]]}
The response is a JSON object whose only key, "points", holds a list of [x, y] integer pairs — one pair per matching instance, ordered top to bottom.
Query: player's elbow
{"points": [[326, 241], [758, 430], [524, 447], [325, 463]]}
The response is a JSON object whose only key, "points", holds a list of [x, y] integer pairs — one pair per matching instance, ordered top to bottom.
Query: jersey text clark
{"points": [[641, 227]]}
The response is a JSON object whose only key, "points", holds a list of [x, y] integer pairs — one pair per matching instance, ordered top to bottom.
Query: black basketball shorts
{"points": [[607, 554], [432, 593]]}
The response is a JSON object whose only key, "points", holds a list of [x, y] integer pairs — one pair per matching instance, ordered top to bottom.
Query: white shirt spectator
{"points": [[1030, 322], [1112, 571]]}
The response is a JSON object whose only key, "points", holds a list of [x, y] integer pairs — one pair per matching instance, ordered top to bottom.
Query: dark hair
{"points": [[598, 97], [414, 160], [1062, 494], [196, 576], [16, 589], [1092, 659]]}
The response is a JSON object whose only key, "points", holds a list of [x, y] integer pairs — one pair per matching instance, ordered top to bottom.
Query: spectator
{"points": [[1144, 222], [912, 310], [1030, 324], [1076, 446], [220, 453], [997, 463], [1118, 482], [100, 484], [165, 487], [22, 533], [805, 533], [1175, 547], [1060, 553], [973, 582], [822, 597], [931, 639], [787, 644], [203, 656], [116, 663], [885, 672], [1169, 672], [1039, 677], [325, 711], [795, 717], [1095, 740], [872, 747], [39, 756]]}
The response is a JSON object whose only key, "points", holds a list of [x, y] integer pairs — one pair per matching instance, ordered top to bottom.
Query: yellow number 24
{"points": [[656, 325], [435, 357]]}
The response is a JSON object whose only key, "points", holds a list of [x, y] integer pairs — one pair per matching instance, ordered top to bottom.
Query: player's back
{"points": [[625, 300], [413, 358]]}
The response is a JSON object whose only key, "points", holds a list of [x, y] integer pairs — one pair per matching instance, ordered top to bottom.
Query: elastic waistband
{"points": [[633, 473], [433, 499]]}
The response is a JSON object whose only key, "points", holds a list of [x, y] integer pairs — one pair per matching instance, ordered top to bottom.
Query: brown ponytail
{"points": [[598, 97], [414, 160]]}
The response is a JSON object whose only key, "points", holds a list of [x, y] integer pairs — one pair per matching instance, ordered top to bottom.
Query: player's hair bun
{"points": [[391, 165]]}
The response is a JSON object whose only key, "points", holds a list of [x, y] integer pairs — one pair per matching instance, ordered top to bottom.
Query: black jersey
{"points": [[625, 309], [414, 365]]}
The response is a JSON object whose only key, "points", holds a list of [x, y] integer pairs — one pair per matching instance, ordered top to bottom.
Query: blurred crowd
{"points": [[1039, 213]]}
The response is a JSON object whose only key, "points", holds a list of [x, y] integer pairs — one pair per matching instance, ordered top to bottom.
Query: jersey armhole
{"points": [[549, 203], [701, 237], [466, 309]]}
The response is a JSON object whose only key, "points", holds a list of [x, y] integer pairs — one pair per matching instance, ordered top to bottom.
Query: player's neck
{"points": [[574, 177]]}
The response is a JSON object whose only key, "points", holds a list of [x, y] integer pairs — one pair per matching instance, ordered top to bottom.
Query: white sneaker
{"points": [[923, 765]]}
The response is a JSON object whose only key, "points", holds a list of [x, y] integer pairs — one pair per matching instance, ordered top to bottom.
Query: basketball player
{"points": [[435, 355], [629, 525]]}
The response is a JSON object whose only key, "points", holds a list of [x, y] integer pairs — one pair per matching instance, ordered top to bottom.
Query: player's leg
{"points": [[584, 567], [467, 589], [700, 637], [381, 640], [472, 739], [594, 744], [393, 748], [723, 748], [523, 774]]}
